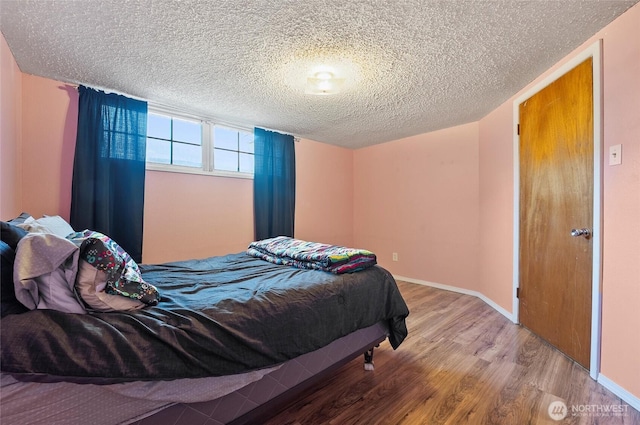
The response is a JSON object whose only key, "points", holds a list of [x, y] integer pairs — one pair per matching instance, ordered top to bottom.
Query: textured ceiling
{"points": [[409, 66]]}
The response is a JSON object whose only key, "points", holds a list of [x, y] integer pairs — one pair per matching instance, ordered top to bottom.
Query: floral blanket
{"points": [[312, 255], [122, 273]]}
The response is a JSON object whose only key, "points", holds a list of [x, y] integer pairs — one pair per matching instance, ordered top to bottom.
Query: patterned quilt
{"points": [[312, 255]]}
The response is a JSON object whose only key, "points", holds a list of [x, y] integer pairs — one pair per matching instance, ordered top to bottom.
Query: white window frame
{"points": [[207, 147]]}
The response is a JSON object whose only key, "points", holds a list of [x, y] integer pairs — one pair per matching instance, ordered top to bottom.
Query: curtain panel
{"points": [[109, 168], [274, 184]]}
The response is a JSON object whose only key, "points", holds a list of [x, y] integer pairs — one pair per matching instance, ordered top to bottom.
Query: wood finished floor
{"points": [[462, 363]]}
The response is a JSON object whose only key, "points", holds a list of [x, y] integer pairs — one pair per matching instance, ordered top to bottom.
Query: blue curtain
{"points": [[274, 184], [107, 192]]}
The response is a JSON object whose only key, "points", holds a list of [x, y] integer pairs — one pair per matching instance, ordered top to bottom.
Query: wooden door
{"points": [[556, 196]]}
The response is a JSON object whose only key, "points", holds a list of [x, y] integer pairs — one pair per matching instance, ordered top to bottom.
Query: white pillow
{"points": [[48, 224]]}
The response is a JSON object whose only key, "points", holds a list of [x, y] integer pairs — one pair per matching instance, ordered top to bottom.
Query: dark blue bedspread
{"points": [[217, 316]]}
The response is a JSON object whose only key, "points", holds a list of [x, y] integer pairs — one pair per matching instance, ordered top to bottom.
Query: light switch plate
{"points": [[615, 155]]}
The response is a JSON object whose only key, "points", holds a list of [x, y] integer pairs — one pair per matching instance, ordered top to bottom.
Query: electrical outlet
{"points": [[615, 155], [395, 256]]}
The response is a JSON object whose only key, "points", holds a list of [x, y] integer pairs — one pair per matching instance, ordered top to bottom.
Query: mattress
{"points": [[218, 316], [264, 397], [65, 403], [143, 403]]}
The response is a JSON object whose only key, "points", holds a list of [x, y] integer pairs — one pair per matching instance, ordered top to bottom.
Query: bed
{"points": [[229, 339]]}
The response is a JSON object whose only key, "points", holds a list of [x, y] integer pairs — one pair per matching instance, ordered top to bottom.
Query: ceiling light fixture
{"points": [[323, 83]]}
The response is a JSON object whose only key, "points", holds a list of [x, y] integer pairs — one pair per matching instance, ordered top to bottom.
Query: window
{"points": [[174, 141], [189, 145], [232, 150]]}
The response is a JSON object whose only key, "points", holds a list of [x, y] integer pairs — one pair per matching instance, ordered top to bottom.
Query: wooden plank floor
{"points": [[462, 363]]}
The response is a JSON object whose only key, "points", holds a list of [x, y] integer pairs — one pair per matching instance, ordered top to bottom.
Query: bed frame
{"points": [[154, 375], [264, 398]]}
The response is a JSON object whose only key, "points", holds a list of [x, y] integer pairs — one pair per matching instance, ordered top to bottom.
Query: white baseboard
{"points": [[480, 295], [625, 395]]}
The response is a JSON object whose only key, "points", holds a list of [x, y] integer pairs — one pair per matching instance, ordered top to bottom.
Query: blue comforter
{"points": [[217, 316]]}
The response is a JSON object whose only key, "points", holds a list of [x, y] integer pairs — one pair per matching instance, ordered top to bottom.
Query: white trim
{"points": [[594, 51], [170, 113], [179, 113], [207, 148], [167, 168], [477, 294], [619, 391], [625, 395]]}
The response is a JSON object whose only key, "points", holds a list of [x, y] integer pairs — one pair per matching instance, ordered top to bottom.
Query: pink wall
{"points": [[39, 119], [49, 124], [10, 134], [621, 191], [324, 195], [418, 197], [496, 206], [195, 216], [621, 233]]}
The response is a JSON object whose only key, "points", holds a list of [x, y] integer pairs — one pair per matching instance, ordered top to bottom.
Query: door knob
{"points": [[581, 232]]}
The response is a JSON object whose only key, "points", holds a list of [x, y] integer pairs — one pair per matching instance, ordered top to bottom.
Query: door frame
{"points": [[594, 51]]}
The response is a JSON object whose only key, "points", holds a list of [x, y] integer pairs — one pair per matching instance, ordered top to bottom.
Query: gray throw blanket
{"points": [[45, 272]]}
